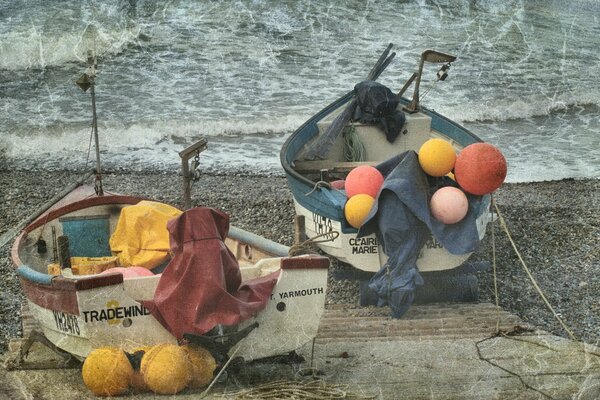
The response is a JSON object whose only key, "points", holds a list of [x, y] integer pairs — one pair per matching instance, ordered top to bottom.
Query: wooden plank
{"points": [[306, 167], [432, 321]]}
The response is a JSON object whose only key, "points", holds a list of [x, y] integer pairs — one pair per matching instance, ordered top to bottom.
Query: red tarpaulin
{"points": [[201, 287]]}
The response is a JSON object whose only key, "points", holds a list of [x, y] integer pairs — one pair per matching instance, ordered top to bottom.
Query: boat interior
{"points": [[418, 128], [416, 131], [45, 249]]}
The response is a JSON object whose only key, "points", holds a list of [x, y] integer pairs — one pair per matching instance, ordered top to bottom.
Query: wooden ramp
{"points": [[450, 321], [443, 351], [450, 351]]}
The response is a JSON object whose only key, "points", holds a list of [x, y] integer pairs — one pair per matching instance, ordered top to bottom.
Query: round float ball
{"points": [[437, 157], [480, 168], [363, 180], [339, 184], [449, 205], [357, 209], [130, 272], [203, 365], [166, 369], [106, 371]]}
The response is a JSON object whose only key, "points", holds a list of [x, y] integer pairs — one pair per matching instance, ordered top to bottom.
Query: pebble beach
{"points": [[555, 226]]}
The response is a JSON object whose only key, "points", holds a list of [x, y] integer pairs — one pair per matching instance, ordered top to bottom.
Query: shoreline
{"points": [[555, 224]]}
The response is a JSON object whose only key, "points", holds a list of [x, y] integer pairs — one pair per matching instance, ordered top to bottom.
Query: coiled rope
{"points": [[354, 150], [308, 246]]}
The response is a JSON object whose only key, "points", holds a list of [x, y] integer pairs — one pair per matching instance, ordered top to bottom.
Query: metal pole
{"points": [[92, 66], [96, 141], [185, 155]]}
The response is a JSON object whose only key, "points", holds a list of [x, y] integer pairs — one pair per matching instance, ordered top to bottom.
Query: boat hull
{"points": [[322, 208], [80, 313]]}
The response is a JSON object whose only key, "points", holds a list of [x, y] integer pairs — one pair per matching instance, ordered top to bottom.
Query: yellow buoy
{"points": [[437, 157], [357, 209], [203, 365], [166, 369], [107, 372]]}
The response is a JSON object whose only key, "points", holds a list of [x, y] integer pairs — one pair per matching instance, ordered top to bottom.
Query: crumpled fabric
{"points": [[377, 105], [402, 221], [141, 237], [201, 287]]}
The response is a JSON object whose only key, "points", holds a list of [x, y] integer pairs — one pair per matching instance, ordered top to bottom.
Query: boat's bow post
{"points": [[431, 56], [85, 82], [191, 174]]}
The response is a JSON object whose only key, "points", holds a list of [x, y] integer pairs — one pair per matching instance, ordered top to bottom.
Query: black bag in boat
{"points": [[377, 106]]}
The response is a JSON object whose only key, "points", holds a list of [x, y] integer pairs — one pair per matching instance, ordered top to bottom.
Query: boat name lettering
{"points": [[323, 226], [433, 243], [364, 245], [301, 293], [109, 314], [66, 322]]}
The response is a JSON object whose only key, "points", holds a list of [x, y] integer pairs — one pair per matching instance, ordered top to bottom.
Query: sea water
{"points": [[245, 74]]}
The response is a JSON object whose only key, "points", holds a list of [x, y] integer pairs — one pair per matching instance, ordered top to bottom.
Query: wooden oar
{"points": [[320, 148]]}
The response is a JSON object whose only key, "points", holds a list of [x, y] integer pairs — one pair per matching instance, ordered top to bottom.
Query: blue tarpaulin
{"points": [[402, 222]]}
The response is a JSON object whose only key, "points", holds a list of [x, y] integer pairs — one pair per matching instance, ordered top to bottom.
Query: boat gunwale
{"points": [[33, 276]]}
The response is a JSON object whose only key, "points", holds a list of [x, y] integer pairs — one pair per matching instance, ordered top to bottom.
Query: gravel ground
{"points": [[555, 225]]}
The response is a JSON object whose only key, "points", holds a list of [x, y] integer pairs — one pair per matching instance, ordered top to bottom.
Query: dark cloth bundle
{"points": [[377, 106]]}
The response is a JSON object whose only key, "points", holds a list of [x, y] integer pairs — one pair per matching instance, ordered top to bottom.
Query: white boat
{"points": [[320, 206], [78, 313]]}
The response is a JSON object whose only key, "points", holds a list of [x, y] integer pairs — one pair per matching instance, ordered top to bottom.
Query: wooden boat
{"points": [[321, 207], [80, 313]]}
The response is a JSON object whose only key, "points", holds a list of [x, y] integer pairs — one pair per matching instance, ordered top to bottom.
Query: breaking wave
{"points": [[36, 49], [523, 107]]}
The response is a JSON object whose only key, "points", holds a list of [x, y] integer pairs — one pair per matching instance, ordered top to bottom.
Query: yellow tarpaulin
{"points": [[141, 237]]}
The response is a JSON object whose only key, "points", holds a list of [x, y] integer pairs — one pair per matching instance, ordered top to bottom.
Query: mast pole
{"points": [[92, 75], [85, 82]]}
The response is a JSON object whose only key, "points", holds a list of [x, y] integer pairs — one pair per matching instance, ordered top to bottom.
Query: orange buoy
{"points": [[437, 157], [480, 168], [363, 179], [449, 205], [357, 209], [203, 365], [166, 369], [107, 371]]}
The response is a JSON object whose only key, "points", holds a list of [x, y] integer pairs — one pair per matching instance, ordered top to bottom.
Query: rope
{"points": [[354, 150], [319, 184], [307, 247], [494, 269], [531, 278], [310, 389], [205, 393]]}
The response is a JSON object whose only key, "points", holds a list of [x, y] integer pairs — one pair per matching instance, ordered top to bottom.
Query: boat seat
{"points": [[307, 167]]}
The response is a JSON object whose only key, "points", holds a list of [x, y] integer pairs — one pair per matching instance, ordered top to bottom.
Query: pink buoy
{"points": [[364, 179], [339, 184], [449, 205], [130, 272]]}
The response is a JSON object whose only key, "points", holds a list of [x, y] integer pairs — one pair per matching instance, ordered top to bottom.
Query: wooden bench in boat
{"points": [[308, 167]]}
